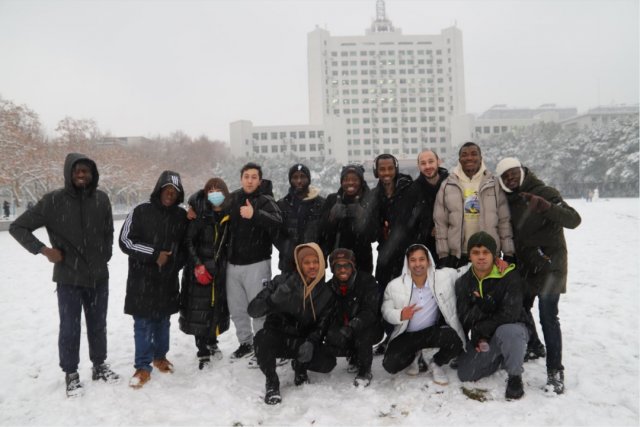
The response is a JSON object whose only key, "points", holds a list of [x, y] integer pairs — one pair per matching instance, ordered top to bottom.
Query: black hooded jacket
{"points": [[79, 224], [300, 224], [150, 228], [356, 231], [360, 301], [203, 308]]}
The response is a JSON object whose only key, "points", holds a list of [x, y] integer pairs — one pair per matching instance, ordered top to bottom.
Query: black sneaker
{"points": [[244, 350], [535, 351], [204, 362], [104, 373], [363, 379], [555, 381], [74, 387], [514, 388], [272, 395]]}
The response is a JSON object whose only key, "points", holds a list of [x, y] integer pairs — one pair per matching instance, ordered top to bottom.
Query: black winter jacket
{"points": [[420, 202], [79, 223], [300, 224], [150, 228], [356, 231], [539, 237], [251, 239], [393, 242], [499, 303], [203, 308], [358, 308], [288, 314]]}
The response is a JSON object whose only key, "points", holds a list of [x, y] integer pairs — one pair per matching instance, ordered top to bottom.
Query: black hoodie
{"points": [[79, 224], [150, 228]]}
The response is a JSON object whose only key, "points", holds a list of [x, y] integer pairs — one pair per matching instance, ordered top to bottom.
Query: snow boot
{"points": [[244, 350], [535, 350], [215, 352], [204, 362], [163, 365], [104, 373], [439, 374], [140, 378], [363, 379], [555, 381], [74, 386], [514, 388], [272, 395]]}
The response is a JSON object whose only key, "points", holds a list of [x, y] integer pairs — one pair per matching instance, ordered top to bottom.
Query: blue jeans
{"points": [[71, 301], [152, 340]]}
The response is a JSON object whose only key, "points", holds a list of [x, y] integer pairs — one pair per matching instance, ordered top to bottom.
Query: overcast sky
{"points": [[153, 67]]}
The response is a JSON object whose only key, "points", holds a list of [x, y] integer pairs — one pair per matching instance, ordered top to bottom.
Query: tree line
{"points": [[572, 160]]}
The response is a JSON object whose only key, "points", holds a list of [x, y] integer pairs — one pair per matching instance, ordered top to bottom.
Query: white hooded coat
{"points": [[442, 284]]}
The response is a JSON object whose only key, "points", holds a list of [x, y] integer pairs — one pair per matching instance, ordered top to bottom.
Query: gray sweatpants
{"points": [[244, 282], [507, 348]]}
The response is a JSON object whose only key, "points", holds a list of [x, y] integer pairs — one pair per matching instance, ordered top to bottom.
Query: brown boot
{"points": [[163, 365], [140, 378]]}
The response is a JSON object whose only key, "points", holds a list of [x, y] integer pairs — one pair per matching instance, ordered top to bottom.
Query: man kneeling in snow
{"points": [[489, 304], [298, 307], [422, 307]]}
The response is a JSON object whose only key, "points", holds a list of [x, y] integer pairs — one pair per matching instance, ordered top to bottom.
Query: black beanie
{"points": [[301, 168], [357, 169], [482, 238], [342, 254]]}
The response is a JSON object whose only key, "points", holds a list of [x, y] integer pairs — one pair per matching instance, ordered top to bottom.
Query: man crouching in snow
{"points": [[489, 305], [298, 307], [422, 307]]}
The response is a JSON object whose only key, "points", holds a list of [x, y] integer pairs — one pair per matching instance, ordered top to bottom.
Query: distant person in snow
{"points": [[470, 200], [6, 208], [301, 210], [539, 216], [346, 218], [255, 219], [80, 228], [152, 235], [489, 305], [298, 307], [204, 312]]}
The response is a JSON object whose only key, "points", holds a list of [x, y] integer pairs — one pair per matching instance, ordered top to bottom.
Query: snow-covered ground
{"points": [[599, 316]]}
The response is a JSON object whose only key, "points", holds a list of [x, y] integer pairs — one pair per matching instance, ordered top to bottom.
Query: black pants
{"points": [[71, 301], [548, 310], [203, 344], [271, 344], [360, 345], [403, 348]]}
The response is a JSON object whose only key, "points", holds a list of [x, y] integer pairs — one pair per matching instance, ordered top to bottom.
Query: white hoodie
{"points": [[442, 284]]}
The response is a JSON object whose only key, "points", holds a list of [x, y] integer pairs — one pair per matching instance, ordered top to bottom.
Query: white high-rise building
{"points": [[385, 91]]}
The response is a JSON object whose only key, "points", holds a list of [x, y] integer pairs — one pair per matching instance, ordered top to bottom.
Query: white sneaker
{"points": [[414, 368], [439, 375]]}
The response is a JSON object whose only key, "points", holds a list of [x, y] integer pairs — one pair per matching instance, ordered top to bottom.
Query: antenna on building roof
{"points": [[381, 24]]}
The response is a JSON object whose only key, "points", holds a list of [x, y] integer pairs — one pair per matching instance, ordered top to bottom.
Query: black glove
{"points": [[536, 203], [354, 210], [338, 212], [510, 259], [449, 261], [281, 295], [486, 304], [355, 324], [339, 337], [305, 352]]}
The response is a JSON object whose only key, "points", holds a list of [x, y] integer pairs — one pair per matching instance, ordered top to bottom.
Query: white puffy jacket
{"points": [[442, 284]]}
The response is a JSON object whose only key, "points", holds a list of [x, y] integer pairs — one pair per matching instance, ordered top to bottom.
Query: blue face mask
{"points": [[216, 198]]}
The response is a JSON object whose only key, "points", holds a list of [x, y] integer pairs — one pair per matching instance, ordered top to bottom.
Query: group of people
{"points": [[461, 258]]}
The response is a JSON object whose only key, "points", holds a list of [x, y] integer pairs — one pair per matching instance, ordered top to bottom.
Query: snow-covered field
{"points": [[599, 316]]}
